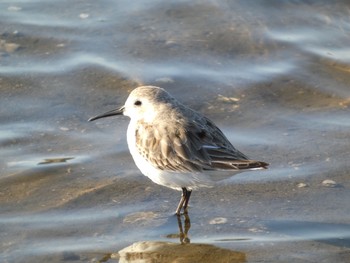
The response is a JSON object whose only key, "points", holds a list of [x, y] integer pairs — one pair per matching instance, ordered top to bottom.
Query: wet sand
{"points": [[69, 190]]}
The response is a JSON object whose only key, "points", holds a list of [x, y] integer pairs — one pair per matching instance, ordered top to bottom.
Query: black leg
{"points": [[185, 198], [182, 200]]}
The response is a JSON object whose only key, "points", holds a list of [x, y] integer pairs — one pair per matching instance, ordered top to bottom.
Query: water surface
{"points": [[272, 74]]}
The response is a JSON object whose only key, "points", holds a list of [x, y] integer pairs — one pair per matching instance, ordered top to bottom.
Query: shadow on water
{"points": [[183, 251]]}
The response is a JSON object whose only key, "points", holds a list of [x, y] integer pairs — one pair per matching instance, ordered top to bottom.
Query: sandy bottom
{"points": [[69, 190]]}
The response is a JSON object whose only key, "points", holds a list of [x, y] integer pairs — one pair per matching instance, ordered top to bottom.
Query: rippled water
{"points": [[274, 75]]}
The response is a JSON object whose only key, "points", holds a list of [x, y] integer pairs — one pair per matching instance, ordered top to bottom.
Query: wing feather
{"points": [[191, 147]]}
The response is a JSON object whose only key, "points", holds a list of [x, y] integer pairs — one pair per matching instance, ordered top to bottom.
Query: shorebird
{"points": [[176, 146]]}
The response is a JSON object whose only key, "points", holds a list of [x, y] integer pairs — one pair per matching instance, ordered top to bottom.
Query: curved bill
{"points": [[108, 114]]}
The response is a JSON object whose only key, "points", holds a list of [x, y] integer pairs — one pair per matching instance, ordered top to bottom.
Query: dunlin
{"points": [[176, 146]]}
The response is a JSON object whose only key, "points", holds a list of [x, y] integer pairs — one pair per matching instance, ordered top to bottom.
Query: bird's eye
{"points": [[138, 103]]}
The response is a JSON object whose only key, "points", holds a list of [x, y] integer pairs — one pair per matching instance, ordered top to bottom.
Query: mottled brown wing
{"points": [[196, 146], [166, 149], [222, 154]]}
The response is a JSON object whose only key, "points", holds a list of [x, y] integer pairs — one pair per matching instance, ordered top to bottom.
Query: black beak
{"points": [[108, 114]]}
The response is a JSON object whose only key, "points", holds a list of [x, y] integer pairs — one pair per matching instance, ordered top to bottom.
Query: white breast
{"points": [[169, 179]]}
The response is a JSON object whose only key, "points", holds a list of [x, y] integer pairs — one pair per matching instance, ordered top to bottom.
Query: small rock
{"points": [[14, 8], [84, 15], [8, 47], [11, 47], [227, 99], [329, 183], [302, 185], [218, 221], [255, 230]]}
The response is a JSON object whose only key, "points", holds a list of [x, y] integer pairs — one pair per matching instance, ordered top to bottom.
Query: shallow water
{"points": [[272, 74]]}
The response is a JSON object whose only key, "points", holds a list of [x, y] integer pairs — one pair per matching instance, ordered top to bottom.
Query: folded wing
{"points": [[197, 147]]}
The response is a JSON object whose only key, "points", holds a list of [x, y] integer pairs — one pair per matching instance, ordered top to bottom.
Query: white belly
{"points": [[169, 179]]}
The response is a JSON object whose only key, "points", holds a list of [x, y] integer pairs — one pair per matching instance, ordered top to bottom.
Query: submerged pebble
{"points": [[14, 8], [84, 15], [8, 47], [227, 99], [329, 183], [302, 185], [218, 221]]}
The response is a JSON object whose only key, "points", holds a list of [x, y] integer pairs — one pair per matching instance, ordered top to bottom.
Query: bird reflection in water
{"points": [[184, 228], [186, 252]]}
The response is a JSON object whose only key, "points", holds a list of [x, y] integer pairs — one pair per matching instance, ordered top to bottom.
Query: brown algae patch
{"points": [[153, 251]]}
